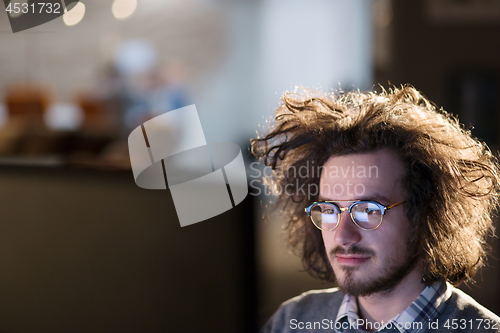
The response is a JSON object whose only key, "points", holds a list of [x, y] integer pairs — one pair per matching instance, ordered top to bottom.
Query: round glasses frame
{"points": [[383, 210]]}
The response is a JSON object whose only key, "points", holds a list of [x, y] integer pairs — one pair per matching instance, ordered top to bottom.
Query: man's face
{"points": [[367, 261]]}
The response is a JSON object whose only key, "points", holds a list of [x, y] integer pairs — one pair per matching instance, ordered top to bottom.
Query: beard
{"points": [[395, 270]]}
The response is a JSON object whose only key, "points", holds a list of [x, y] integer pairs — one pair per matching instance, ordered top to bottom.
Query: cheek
{"points": [[398, 229], [328, 240], [396, 243]]}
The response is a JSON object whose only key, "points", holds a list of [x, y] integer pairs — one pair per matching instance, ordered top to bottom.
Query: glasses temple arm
{"points": [[396, 204]]}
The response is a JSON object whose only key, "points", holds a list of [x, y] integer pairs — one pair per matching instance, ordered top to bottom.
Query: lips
{"points": [[351, 259]]}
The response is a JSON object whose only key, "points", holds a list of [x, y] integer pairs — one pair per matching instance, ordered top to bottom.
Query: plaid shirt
{"points": [[426, 308]]}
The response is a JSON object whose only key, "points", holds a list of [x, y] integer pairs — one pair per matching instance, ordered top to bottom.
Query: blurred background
{"points": [[83, 249]]}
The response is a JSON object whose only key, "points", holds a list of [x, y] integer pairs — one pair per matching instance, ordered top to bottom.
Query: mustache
{"points": [[353, 249]]}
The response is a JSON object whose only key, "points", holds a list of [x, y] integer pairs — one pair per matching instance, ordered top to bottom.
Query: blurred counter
{"points": [[86, 250]]}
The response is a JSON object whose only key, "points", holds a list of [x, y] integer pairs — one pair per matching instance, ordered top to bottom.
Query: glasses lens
{"points": [[367, 215], [325, 216]]}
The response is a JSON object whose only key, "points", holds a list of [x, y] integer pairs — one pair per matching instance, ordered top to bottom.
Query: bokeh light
{"points": [[123, 8], [75, 15]]}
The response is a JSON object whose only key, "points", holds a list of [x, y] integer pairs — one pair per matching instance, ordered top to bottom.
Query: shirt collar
{"points": [[426, 308]]}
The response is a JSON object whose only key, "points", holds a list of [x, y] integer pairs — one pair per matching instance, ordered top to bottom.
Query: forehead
{"points": [[375, 175]]}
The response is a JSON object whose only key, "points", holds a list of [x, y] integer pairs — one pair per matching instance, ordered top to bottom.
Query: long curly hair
{"points": [[451, 178]]}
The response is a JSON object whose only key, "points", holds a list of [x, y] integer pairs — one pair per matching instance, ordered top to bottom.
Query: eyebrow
{"points": [[375, 196]]}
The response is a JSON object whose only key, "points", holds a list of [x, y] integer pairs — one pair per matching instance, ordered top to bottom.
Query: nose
{"points": [[347, 233]]}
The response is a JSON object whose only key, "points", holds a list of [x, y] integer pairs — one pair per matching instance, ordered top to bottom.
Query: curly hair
{"points": [[451, 178]]}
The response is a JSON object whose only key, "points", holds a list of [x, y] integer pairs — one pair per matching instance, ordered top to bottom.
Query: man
{"points": [[396, 211]]}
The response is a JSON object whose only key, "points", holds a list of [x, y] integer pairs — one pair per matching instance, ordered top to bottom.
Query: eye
{"points": [[328, 211]]}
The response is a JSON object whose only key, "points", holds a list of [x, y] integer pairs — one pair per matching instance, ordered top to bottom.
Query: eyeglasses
{"points": [[366, 214]]}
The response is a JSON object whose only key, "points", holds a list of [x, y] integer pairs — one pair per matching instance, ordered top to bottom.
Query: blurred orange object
{"points": [[27, 99], [97, 114], [25, 132]]}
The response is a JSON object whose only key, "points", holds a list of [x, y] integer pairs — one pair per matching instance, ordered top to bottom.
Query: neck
{"points": [[384, 306]]}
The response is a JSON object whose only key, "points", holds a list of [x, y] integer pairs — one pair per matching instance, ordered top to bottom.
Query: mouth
{"points": [[353, 260]]}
